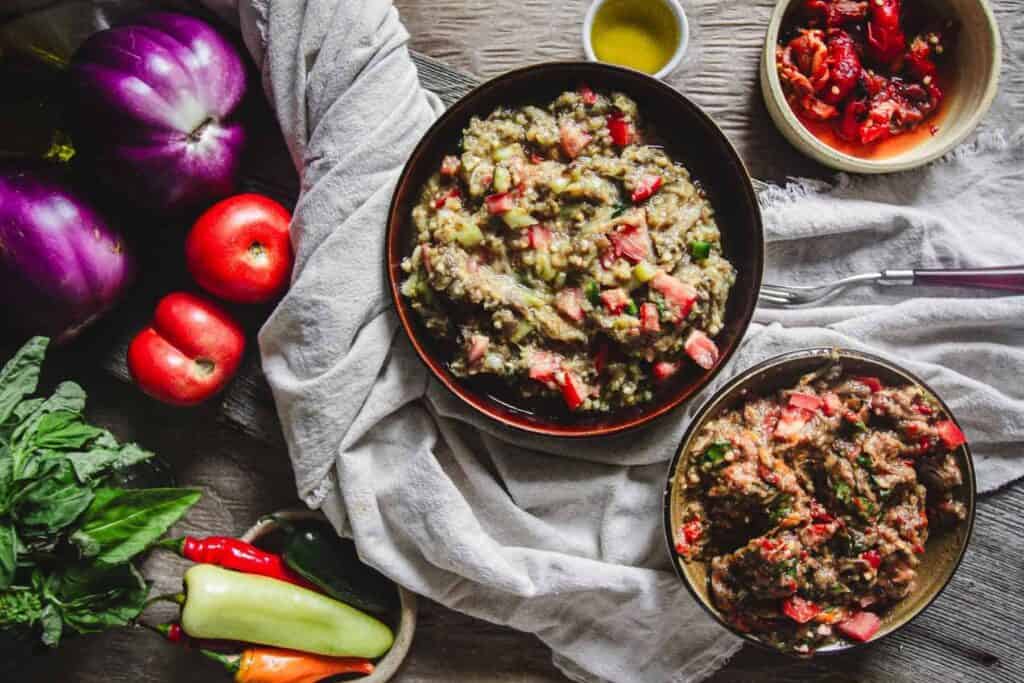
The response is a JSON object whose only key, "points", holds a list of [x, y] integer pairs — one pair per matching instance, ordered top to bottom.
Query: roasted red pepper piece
{"points": [[837, 12], [886, 41], [843, 66], [799, 610]]}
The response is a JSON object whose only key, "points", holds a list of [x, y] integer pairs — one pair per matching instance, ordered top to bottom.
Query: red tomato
{"points": [[240, 249], [188, 353], [805, 401]]}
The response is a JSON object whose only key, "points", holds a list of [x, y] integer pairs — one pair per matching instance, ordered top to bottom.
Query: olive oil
{"points": [[640, 34]]}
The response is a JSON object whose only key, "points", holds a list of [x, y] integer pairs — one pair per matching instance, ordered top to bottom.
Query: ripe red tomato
{"points": [[239, 250], [188, 353]]}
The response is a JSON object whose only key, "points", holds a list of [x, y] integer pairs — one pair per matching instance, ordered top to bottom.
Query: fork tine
{"points": [[777, 291], [775, 300]]}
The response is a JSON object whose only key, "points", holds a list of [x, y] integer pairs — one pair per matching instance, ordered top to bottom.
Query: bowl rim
{"points": [[682, 22], [588, 70], [794, 131], [711, 404], [388, 665]]}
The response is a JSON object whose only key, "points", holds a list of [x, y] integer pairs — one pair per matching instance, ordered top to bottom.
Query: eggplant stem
{"points": [[197, 132]]}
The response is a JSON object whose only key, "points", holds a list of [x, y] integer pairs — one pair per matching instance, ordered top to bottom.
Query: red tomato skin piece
{"points": [[240, 249], [189, 352], [805, 401], [950, 434], [799, 610], [861, 626]]}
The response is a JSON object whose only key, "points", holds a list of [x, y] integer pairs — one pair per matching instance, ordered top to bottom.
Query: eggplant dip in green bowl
{"points": [[565, 252], [808, 507]]}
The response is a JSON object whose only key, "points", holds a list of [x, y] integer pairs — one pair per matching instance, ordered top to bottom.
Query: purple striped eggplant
{"points": [[154, 105]]}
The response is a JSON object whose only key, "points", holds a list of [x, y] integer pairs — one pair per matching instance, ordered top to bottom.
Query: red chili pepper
{"points": [[886, 41], [234, 554]]}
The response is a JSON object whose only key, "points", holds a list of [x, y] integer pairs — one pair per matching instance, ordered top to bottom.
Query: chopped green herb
{"points": [[619, 210], [700, 249], [593, 292], [631, 308], [859, 424], [715, 455], [864, 461], [842, 491], [782, 509], [838, 589]]}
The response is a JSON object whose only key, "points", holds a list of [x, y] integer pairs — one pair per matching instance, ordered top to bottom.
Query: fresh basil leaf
{"points": [[20, 375], [67, 397], [64, 430], [98, 462], [6, 477], [52, 502], [122, 523], [8, 555], [94, 598], [19, 607], [52, 624]]}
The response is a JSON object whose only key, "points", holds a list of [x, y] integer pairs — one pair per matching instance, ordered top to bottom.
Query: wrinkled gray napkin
{"points": [[567, 542]]}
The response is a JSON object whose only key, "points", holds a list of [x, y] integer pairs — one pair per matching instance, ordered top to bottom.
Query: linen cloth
{"points": [[565, 541]]}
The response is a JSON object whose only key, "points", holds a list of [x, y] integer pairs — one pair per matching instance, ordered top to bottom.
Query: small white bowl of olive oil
{"points": [[646, 35]]}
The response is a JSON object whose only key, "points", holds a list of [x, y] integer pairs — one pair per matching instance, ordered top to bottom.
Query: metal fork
{"points": [[1008, 279]]}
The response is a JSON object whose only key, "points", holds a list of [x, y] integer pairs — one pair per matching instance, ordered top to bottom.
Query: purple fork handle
{"points": [[1005, 278]]}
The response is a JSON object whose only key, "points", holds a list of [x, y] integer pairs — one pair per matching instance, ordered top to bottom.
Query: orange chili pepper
{"points": [[274, 665]]}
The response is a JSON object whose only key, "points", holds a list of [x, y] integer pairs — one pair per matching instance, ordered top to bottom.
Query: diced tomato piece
{"points": [[587, 95], [620, 129], [574, 138], [536, 158], [450, 165], [647, 186], [450, 194], [499, 203], [539, 236], [632, 242], [678, 293], [614, 299], [569, 301], [649, 318], [478, 344], [701, 349], [601, 358], [543, 366], [663, 369], [872, 383], [574, 391], [805, 401], [832, 405], [923, 409], [791, 423], [950, 434], [819, 513], [692, 530], [872, 557], [799, 610], [861, 626]]}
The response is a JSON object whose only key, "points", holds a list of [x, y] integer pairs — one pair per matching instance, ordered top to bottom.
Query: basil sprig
{"points": [[68, 535]]}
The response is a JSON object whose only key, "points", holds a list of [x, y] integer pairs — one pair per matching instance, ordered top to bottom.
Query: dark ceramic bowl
{"points": [[690, 137], [944, 549]]}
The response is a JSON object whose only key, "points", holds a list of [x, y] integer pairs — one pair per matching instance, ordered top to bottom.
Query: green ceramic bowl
{"points": [[944, 549]]}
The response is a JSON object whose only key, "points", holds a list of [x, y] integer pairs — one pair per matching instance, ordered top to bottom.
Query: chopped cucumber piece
{"points": [[503, 153], [502, 179], [518, 218], [469, 235], [542, 265], [522, 329]]}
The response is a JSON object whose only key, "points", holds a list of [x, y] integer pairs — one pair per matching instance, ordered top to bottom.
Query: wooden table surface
{"points": [[233, 449]]}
